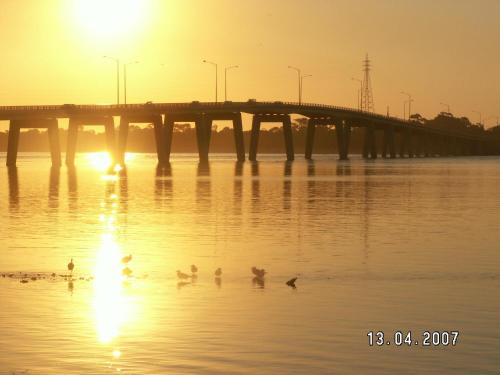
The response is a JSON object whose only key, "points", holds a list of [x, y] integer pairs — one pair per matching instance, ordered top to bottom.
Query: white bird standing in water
{"points": [[71, 266]]}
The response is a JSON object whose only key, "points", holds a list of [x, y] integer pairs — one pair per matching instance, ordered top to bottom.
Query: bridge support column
{"points": [[76, 122], [125, 122], [340, 129], [168, 130], [311, 131], [52, 132], [287, 134], [417, 136], [238, 137], [202, 138], [254, 138], [288, 138], [347, 138], [122, 139], [159, 141], [71, 142], [409, 142], [13, 143], [366, 143], [388, 143], [402, 143], [370, 145], [55, 148]]}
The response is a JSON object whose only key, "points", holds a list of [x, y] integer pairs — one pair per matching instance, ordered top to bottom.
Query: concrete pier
{"points": [[77, 122], [125, 122], [237, 122], [15, 127], [342, 130], [287, 133], [310, 133], [413, 139], [388, 143], [370, 144]]}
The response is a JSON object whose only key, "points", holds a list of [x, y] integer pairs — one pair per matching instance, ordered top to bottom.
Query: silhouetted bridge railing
{"points": [[415, 139]]}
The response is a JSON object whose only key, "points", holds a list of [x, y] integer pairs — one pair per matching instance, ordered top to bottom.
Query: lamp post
{"points": [[117, 61], [216, 77], [225, 78], [125, 79], [299, 81], [302, 83], [360, 103], [409, 103], [447, 106], [480, 116], [491, 117]]}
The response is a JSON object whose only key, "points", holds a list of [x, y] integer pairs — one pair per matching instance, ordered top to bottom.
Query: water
{"points": [[385, 245]]}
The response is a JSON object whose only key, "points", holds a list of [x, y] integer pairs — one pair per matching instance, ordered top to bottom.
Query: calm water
{"points": [[385, 245]]}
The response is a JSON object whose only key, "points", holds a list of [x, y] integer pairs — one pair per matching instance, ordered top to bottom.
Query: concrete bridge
{"points": [[415, 139]]}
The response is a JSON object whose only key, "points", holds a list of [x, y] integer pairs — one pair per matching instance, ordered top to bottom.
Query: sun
{"points": [[110, 19]]}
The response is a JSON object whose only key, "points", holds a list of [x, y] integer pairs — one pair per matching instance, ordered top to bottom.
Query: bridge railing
{"points": [[240, 106]]}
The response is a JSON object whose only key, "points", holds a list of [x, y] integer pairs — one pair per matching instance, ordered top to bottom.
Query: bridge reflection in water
{"points": [[413, 138]]}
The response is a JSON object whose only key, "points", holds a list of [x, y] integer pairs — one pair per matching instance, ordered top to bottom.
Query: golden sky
{"points": [[439, 51]]}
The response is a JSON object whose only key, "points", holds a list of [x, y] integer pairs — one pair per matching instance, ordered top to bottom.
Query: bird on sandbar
{"points": [[126, 259], [71, 266], [194, 269], [127, 272], [218, 272], [260, 273], [182, 275], [291, 282]]}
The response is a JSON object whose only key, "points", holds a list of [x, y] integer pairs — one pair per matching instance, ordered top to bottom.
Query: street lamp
{"points": [[117, 61], [125, 78], [216, 79], [225, 79], [299, 79], [302, 83], [360, 92], [409, 103], [447, 106], [480, 116], [488, 118]]}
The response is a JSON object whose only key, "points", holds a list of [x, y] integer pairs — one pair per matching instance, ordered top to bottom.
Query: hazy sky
{"points": [[439, 51]]}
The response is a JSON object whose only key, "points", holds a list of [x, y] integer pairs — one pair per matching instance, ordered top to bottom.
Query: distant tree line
{"points": [[222, 141]]}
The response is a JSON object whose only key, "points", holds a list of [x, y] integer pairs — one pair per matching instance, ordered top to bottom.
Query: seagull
{"points": [[127, 259], [71, 266], [194, 269], [127, 272], [218, 272], [260, 273], [182, 275], [258, 281], [291, 282]]}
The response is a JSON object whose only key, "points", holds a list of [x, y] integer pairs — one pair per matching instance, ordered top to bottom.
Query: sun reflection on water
{"points": [[102, 162], [112, 304]]}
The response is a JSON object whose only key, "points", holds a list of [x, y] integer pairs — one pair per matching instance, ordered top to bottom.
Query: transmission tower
{"points": [[366, 94]]}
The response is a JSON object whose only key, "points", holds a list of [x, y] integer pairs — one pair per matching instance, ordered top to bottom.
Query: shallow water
{"points": [[377, 245]]}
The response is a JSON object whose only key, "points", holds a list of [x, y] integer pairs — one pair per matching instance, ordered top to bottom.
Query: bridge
{"points": [[414, 139]]}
